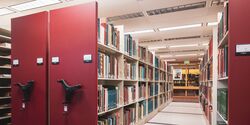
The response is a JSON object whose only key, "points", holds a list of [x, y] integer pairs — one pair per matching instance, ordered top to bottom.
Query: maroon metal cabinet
{"points": [[73, 35], [29, 42]]}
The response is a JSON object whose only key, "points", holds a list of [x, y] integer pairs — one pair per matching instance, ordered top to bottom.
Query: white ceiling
{"points": [[110, 8]]}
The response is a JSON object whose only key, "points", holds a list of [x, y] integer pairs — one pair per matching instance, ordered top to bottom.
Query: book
{"points": [[130, 46], [142, 53], [150, 58], [223, 62], [107, 66], [129, 70], [142, 72], [150, 73], [156, 74], [151, 89], [156, 89], [142, 90], [129, 94], [108, 97], [222, 102], [156, 103], [150, 105], [142, 109], [129, 116], [113, 119]]}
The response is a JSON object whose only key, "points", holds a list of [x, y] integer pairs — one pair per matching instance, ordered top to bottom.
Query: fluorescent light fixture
{"points": [[34, 4], [4, 11], [212, 24], [180, 27], [141, 31], [189, 45], [155, 48], [186, 55], [166, 56], [170, 60]]}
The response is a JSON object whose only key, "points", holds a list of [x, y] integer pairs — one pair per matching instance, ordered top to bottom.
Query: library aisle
{"points": [[179, 113]]}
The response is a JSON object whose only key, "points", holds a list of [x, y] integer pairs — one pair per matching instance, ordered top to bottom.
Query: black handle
{"points": [[26, 90], [69, 90]]}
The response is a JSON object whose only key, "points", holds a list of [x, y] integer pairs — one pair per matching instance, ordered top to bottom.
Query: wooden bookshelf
{"points": [[5, 77], [162, 85]]}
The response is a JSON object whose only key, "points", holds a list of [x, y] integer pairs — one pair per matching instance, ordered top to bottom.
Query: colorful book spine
{"points": [[130, 46], [142, 53], [129, 70], [142, 73], [142, 90], [150, 105], [129, 116], [113, 119]]}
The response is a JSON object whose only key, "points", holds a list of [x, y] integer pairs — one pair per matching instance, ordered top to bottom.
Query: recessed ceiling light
{"points": [[34, 4], [4, 11], [212, 24], [180, 27], [141, 31], [205, 44], [189, 45], [166, 56]]}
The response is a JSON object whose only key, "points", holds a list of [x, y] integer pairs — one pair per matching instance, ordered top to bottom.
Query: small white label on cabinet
{"points": [[243, 49], [87, 58], [55, 60], [39, 61], [15, 62]]}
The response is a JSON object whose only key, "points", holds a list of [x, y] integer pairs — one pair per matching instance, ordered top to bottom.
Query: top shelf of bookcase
{"points": [[224, 41]]}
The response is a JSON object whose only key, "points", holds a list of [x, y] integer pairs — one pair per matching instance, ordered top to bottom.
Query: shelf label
{"points": [[242, 49], [87, 58], [55, 60], [39, 61], [15, 62]]}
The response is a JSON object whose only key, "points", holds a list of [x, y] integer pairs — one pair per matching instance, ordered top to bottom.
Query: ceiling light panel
{"points": [[34, 4], [177, 8], [4, 11], [212, 24], [180, 27], [141, 31], [178, 46], [156, 48], [186, 55]]}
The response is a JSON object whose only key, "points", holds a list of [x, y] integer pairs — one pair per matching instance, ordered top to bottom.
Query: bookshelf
{"points": [[5, 77], [137, 78], [206, 82], [187, 89]]}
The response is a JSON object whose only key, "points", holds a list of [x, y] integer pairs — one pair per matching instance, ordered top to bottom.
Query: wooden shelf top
{"points": [[223, 41], [5, 57], [5, 67], [224, 78], [187, 87], [5, 117]]}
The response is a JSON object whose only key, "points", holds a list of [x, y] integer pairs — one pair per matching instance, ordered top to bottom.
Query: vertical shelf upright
{"points": [[5, 77]]}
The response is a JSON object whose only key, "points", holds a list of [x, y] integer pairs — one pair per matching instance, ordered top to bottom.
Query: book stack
{"points": [[223, 23], [108, 34], [130, 46], [142, 53], [150, 57], [223, 62], [107, 66], [129, 70], [142, 72], [150, 74], [162, 87], [151, 89], [142, 90], [129, 94], [108, 97], [222, 99], [156, 102], [150, 105], [142, 109], [129, 116], [113, 119]]}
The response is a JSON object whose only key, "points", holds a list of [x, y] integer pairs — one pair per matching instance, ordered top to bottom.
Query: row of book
{"points": [[223, 23], [108, 34], [130, 46], [142, 53], [150, 58], [156, 62], [223, 62], [162, 64], [107, 66], [129, 70], [142, 72], [150, 74], [156, 75], [162, 76], [162, 87], [151, 89], [156, 89], [142, 90], [129, 94], [108, 97], [222, 102], [156, 103], [150, 105], [142, 109], [129, 116], [113, 119]]}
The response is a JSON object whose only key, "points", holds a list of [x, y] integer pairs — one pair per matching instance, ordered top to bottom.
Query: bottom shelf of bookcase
{"points": [[186, 98]]}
